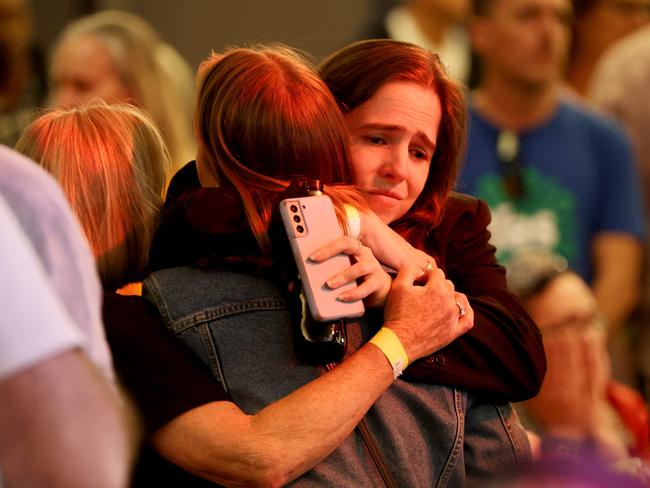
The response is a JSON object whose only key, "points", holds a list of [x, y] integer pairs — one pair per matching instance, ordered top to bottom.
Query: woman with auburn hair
{"points": [[118, 57], [405, 119], [406, 124]]}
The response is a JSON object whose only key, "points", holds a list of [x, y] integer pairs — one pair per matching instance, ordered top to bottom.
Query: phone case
{"points": [[311, 223]]}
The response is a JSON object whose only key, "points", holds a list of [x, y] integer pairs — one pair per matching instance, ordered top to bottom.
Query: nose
{"points": [[552, 25], [554, 32], [64, 95], [395, 166]]}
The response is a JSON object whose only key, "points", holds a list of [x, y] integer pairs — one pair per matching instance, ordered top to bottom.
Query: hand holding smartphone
{"points": [[310, 223]]}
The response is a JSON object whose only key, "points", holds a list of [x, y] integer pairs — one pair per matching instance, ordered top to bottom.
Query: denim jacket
{"points": [[501, 359], [429, 435]]}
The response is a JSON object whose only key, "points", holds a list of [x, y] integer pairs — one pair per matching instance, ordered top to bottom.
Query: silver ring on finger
{"points": [[461, 310]]}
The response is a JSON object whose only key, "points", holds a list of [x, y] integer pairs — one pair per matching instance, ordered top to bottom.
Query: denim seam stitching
{"points": [[151, 284], [224, 311], [213, 355], [458, 441], [518, 455]]}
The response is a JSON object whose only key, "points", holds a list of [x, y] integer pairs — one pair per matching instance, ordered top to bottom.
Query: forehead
{"points": [[453, 7], [82, 53], [406, 105], [566, 296]]}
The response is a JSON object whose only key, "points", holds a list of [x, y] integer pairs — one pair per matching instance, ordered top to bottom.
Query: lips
{"points": [[384, 193]]}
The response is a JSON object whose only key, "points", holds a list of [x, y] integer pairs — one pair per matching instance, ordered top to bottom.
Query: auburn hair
{"points": [[355, 73], [263, 116], [112, 163]]}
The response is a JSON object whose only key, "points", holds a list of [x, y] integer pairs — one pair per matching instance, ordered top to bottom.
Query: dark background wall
{"points": [[195, 27]]}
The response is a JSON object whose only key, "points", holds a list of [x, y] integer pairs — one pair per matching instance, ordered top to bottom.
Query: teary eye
{"points": [[376, 140], [420, 154]]}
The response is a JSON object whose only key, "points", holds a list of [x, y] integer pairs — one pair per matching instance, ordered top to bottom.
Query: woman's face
{"points": [[83, 69], [392, 140]]}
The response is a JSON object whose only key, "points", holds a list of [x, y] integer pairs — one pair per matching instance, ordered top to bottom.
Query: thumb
{"points": [[407, 275]]}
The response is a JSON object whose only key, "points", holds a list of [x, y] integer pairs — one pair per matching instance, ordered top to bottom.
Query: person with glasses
{"points": [[554, 174], [579, 408]]}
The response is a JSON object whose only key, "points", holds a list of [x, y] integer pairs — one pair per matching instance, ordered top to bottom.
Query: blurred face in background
{"points": [[451, 10], [607, 21], [524, 41], [83, 69], [566, 302]]}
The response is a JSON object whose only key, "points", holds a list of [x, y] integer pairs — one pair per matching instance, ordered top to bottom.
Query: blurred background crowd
{"points": [[576, 252]]}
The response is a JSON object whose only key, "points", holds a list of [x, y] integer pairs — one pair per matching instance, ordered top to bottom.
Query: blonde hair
{"points": [[160, 80], [263, 115], [111, 163]]}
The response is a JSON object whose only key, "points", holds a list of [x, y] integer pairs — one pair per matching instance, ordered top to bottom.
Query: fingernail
{"points": [[315, 256], [333, 283], [343, 297]]}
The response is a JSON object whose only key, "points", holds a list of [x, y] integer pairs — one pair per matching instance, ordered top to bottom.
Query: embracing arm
{"points": [[502, 358], [219, 442]]}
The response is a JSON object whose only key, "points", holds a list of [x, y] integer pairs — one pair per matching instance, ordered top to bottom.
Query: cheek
{"points": [[111, 89], [362, 167], [417, 181]]}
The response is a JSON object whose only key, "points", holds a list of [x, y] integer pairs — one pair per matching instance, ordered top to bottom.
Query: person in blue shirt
{"points": [[554, 174]]}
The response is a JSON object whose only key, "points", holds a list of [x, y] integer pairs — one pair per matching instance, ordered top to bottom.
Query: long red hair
{"points": [[263, 115]]}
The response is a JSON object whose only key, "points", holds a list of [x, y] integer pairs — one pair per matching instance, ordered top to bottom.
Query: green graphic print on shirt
{"points": [[543, 217]]}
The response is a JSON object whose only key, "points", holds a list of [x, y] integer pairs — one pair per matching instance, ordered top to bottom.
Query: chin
{"points": [[384, 216]]}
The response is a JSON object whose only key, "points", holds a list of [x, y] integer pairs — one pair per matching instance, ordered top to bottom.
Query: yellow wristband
{"points": [[354, 220], [388, 342]]}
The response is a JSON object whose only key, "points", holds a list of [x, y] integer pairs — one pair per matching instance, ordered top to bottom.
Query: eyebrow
{"points": [[398, 128]]}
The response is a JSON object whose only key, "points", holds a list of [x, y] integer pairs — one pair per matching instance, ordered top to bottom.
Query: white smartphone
{"points": [[310, 223]]}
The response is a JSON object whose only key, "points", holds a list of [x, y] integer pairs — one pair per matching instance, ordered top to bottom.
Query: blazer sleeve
{"points": [[501, 358]]}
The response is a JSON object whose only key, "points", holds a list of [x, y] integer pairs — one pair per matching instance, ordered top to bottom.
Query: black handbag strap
{"points": [[371, 445]]}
